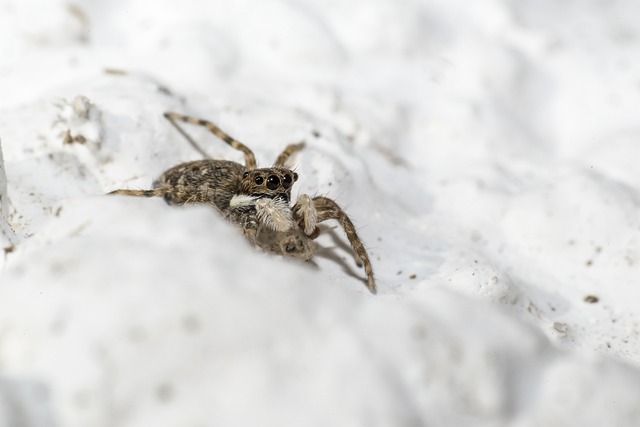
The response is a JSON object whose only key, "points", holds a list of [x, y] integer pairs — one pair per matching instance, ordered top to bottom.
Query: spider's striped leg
{"points": [[174, 118], [288, 151], [156, 192], [326, 209]]}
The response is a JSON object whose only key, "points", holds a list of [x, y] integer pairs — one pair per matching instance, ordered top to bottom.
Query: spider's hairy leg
{"points": [[288, 151], [249, 157], [156, 192], [328, 209], [307, 215], [292, 242]]}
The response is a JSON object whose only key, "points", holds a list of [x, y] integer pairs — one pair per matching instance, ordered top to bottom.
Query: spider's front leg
{"points": [[174, 118], [312, 211], [307, 215]]}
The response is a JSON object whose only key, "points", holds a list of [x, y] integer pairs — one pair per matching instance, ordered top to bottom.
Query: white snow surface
{"points": [[487, 152]]}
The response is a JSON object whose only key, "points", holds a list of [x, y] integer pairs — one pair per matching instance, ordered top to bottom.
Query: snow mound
{"points": [[489, 171]]}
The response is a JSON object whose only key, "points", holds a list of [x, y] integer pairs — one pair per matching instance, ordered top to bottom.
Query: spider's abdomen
{"points": [[202, 181]]}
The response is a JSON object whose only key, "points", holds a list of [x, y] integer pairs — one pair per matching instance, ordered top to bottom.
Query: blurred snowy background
{"points": [[487, 151]]}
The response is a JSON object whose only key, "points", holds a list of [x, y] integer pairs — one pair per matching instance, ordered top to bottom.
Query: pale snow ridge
{"points": [[486, 151]]}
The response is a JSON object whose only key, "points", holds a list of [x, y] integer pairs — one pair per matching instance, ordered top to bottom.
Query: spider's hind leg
{"points": [[249, 157], [156, 192]]}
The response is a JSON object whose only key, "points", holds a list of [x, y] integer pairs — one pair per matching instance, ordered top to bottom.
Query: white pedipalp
{"points": [[240, 200], [307, 210], [274, 213]]}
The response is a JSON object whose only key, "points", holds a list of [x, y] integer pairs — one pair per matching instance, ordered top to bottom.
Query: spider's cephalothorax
{"points": [[272, 183], [264, 195], [258, 200]]}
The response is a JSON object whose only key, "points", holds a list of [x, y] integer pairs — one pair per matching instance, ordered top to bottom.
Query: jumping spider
{"points": [[256, 199]]}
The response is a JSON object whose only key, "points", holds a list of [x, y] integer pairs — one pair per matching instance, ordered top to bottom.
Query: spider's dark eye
{"points": [[246, 174], [295, 176], [259, 180], [287, 181], [273, 182]]}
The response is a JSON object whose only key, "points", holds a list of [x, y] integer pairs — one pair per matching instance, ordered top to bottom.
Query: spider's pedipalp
{"points": [[249, 157], [328, 209], [274, 213]]}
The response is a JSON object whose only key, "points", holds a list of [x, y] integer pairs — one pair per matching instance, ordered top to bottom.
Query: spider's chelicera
{"points": [[258, 200]]}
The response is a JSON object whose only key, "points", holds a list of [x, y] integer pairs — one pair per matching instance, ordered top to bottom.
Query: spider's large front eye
{"points": [[259, 180], [287, 181], [273, 182]]}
